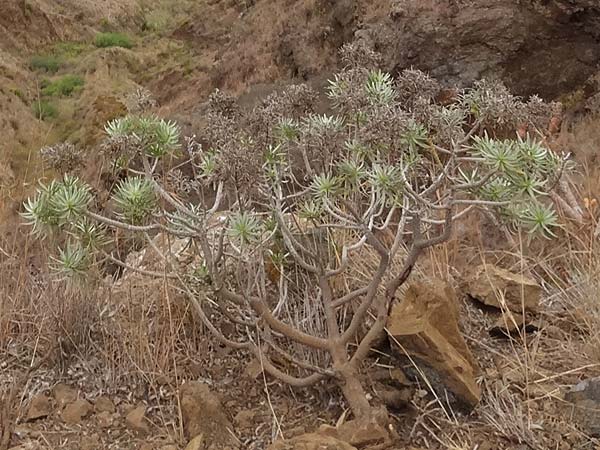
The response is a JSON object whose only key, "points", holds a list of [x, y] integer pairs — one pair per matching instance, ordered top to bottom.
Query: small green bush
{"points": [[104, 40], [70, 49], [47, 63], [63, 87], [19, 93], [44, 110]]}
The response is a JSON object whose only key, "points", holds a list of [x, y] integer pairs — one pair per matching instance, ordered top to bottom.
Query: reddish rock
{"points": [[500, 288], [425, 323], [64, 394], [104, 404], [39, 407], [75, 412], [204, 415], [136, 420], [312, 441]]}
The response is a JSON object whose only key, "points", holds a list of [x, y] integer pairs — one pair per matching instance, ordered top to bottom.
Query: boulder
{"points": [[500, 288], [425, 324], [64, 394], [585, 401], [104, 404], [39, 407], [75, 412], [204, 415], [136, 420], [358, 433], [312, 441]]}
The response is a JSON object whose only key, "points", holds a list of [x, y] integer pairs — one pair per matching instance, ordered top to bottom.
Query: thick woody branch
{"points": [[121, 225], [144, 272], [349, 297], [361, 311], [277, 325], [287, 330], [301, 363], [272, 370]]}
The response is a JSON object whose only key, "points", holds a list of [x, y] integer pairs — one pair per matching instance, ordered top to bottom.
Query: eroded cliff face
{"points": [[547, 48]]}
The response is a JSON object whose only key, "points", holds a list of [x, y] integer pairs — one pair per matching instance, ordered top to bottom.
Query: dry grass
{"points": [[141, 335]]}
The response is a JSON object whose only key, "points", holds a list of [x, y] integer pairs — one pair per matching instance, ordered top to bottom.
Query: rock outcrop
{"points": [[502, 289], [425, 324], [585, 400], [204, 417]]}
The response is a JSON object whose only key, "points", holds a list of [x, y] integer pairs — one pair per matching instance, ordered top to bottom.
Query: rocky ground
{"points": [[492, 359]]}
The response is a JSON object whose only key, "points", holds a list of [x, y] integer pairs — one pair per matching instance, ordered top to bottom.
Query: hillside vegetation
{"points": [[299, 225]]}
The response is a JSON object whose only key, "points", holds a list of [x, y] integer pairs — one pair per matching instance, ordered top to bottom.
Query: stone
{"points": [[500, 288], [509, 323], [425, 324], [64, 394], [104, 404], [585, 405], [39, 407], [75, 412], [203, 414], [244, 419], [136, 420], [21, 431], [361, 433], [311, 441], [196, 444]]}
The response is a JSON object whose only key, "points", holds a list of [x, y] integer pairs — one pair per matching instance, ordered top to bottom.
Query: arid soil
{"points": [[109, 371]]}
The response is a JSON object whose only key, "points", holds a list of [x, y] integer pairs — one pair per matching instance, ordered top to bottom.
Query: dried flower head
{"points": [[359, 54], [415, 87], [139, 101], [64, 157]]}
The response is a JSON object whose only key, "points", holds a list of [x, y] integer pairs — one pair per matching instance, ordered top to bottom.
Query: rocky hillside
{"points": [[183, 50], [505, 330]]}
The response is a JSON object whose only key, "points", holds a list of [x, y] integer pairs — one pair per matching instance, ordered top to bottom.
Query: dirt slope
{"points": [[185, 49]]}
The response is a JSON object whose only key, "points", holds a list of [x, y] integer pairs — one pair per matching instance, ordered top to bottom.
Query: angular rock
{"points": [[500, 288], [425, 323], [509, 324], [64, 394], [585, 399], [104, 404], [39, 407], [75, 412], [203, 414], [244, 419], [136, 420], [361, 433], [311, 441], [196, 444]]}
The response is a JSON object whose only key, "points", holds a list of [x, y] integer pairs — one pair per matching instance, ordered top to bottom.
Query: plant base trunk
{"points": [[355, 395]]}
